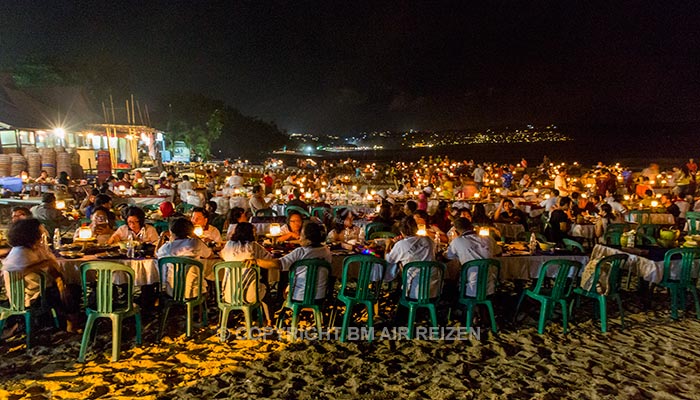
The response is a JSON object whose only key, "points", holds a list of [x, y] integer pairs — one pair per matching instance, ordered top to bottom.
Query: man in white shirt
{"points": [[478, 175], [235, 180], [549, 203], [200, 217], [470, 246], [409, 249]]}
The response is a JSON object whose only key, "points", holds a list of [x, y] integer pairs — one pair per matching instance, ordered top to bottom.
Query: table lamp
{"points": [[60, 204], [275, 229], [198, 230], [421, 230], [484, 232], [84, 233]]}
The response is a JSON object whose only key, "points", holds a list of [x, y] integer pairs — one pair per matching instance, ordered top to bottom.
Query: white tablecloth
{"points": [[147, 201], [655, 218], [585, 231], [528, 267], [649, 270]]}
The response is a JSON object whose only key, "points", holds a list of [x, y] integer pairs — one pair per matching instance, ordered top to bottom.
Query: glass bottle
{"points": [[56, 239]]}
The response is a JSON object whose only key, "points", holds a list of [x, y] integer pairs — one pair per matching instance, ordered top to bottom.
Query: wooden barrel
{"points": [[28, 149], [59, 149], [48, 161], [63, 163], [5, 164], [19, 164], [34, 164], [104, 166]]}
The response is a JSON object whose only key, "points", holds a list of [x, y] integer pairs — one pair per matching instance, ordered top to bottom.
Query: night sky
{"points": [[345, 67]]}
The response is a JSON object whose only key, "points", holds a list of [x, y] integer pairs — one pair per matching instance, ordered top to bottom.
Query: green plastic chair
{"points": [[151, 207], [184, 208], [298, 209], [338, 209], [266, 212], [318, 212], [641, 217], [692, 217], [119, 222], [161, 226], [376, 227], [613, 233], [646, 234], [382, 235], [525, 237], [572, 245], [180, 267], [312, 267], [237, 277], [613, 278], [684, 281], [482, 283], [365, 291], [559, 293], [16, 300], [423, 300], [104, 308]]}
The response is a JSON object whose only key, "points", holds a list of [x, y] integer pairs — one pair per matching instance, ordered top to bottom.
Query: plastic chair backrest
{"points": [[298, 209], [336, 209], [265, 212], [318, 212], [640, 216], [692, 217], [376, 227], [382, 235], [525, 237], [612, 237], [572, 245], [687, 256], [313, 265], [180, 267], [425, 270], [105, 271], [364, 274], [237, 278], [614, 278], [482, 280], [563, 284], [16, 285]]}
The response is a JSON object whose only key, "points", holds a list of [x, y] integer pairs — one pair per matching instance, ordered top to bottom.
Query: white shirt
{"points": [[478, 174], [234, 181], [561, 185], [549, 203], [147, 234], [212, 234], [188, 247], [473, 247], [413, 248], [236, 251], [302, 253], [20, 258]]}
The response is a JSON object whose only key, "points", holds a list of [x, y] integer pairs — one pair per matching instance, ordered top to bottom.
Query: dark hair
{"points": [[120, 175], [185, 178], [257, 188], [94, 192], [555, 192], [648, 192], [48, 198], [102, 199], [508, 201], [564, 201], [212, 205], [411, 205], [24, 210], [202, 210], [137, 212], [293, 213], [235, 214], [423, 214], [463, 225], [408, 226], [181, 228], [312, 232], [24, 233], [243, 233]]}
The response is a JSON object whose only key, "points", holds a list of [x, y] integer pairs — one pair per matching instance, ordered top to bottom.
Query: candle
{"points": [[122, 188], [536, 190], [654, 203], [60, 204], [275, 229], [198, 230], [421, 230], [84, 232], [484, 232]]}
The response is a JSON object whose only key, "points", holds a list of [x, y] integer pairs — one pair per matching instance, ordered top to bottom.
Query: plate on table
{"points": [[71, 255], [109, 255]]}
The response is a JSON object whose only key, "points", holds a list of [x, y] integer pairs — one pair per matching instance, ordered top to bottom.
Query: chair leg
{"points": [[674, 303], [602, 304], [489, 305], [517, 308], [544, 311], [622, 312], [247, 313], [470, 314], [564, 314], [318, 316], [55, 317], [295, 317], [433, 317], [137, 319], [190, 319], [163, 320], [411, 321], [346, 322], [370, 322], [224, 323], [28, 327], [116, 335], [86, 336]]}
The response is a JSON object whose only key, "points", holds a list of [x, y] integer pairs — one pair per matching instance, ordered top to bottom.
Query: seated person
{"points": [[647, 199], [297, 201], [258, 202], [88, 204], [48, 214], [509, 214], [236, 215], [200, 217], [607, 217], [560, 221], [100, 226], [135, 228], [292, 229], [344, 230], [431, 230], [184, 243], [468, 246], [243, 247], [312, 247], [409, 248], [30, 255]]}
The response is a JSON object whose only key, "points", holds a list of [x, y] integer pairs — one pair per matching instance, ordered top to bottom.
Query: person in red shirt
{"points": [[692, 166], [269, 182]]}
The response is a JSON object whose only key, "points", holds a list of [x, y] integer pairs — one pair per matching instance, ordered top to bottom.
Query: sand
{"points": [[653, 358]]}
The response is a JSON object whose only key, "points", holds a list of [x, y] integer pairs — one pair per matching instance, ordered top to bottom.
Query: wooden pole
{"points": [[138, 107], [133, 115], [148, 116], [128, 120]]}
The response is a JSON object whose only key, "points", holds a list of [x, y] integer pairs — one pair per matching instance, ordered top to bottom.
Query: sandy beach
{"points": [[653, 358]]}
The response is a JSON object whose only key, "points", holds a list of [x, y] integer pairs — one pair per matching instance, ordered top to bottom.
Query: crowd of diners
{"points": [[425, 204]]}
